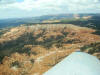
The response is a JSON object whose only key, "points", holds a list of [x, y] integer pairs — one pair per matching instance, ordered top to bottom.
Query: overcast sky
{"points": [[31, 8]]}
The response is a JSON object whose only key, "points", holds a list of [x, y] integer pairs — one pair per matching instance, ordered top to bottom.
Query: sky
{"points": [[31, 8]]}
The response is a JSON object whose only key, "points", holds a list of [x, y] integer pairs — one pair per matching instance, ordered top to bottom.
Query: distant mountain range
{"points": [[17, 21]]}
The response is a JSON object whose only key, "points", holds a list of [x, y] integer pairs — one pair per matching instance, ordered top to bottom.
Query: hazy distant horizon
{"points": [[43, 15]]}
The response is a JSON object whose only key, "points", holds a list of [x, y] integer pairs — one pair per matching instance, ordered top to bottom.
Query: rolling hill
{"points": [[31, 20], [31, 46], [34, 49]]}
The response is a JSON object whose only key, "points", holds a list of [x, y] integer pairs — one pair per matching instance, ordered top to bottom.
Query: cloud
{"points": [[3, 2], [58, 5], [50, 6]]}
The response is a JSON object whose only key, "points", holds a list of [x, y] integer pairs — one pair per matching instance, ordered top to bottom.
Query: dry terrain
{"points": [[33, 50]]}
